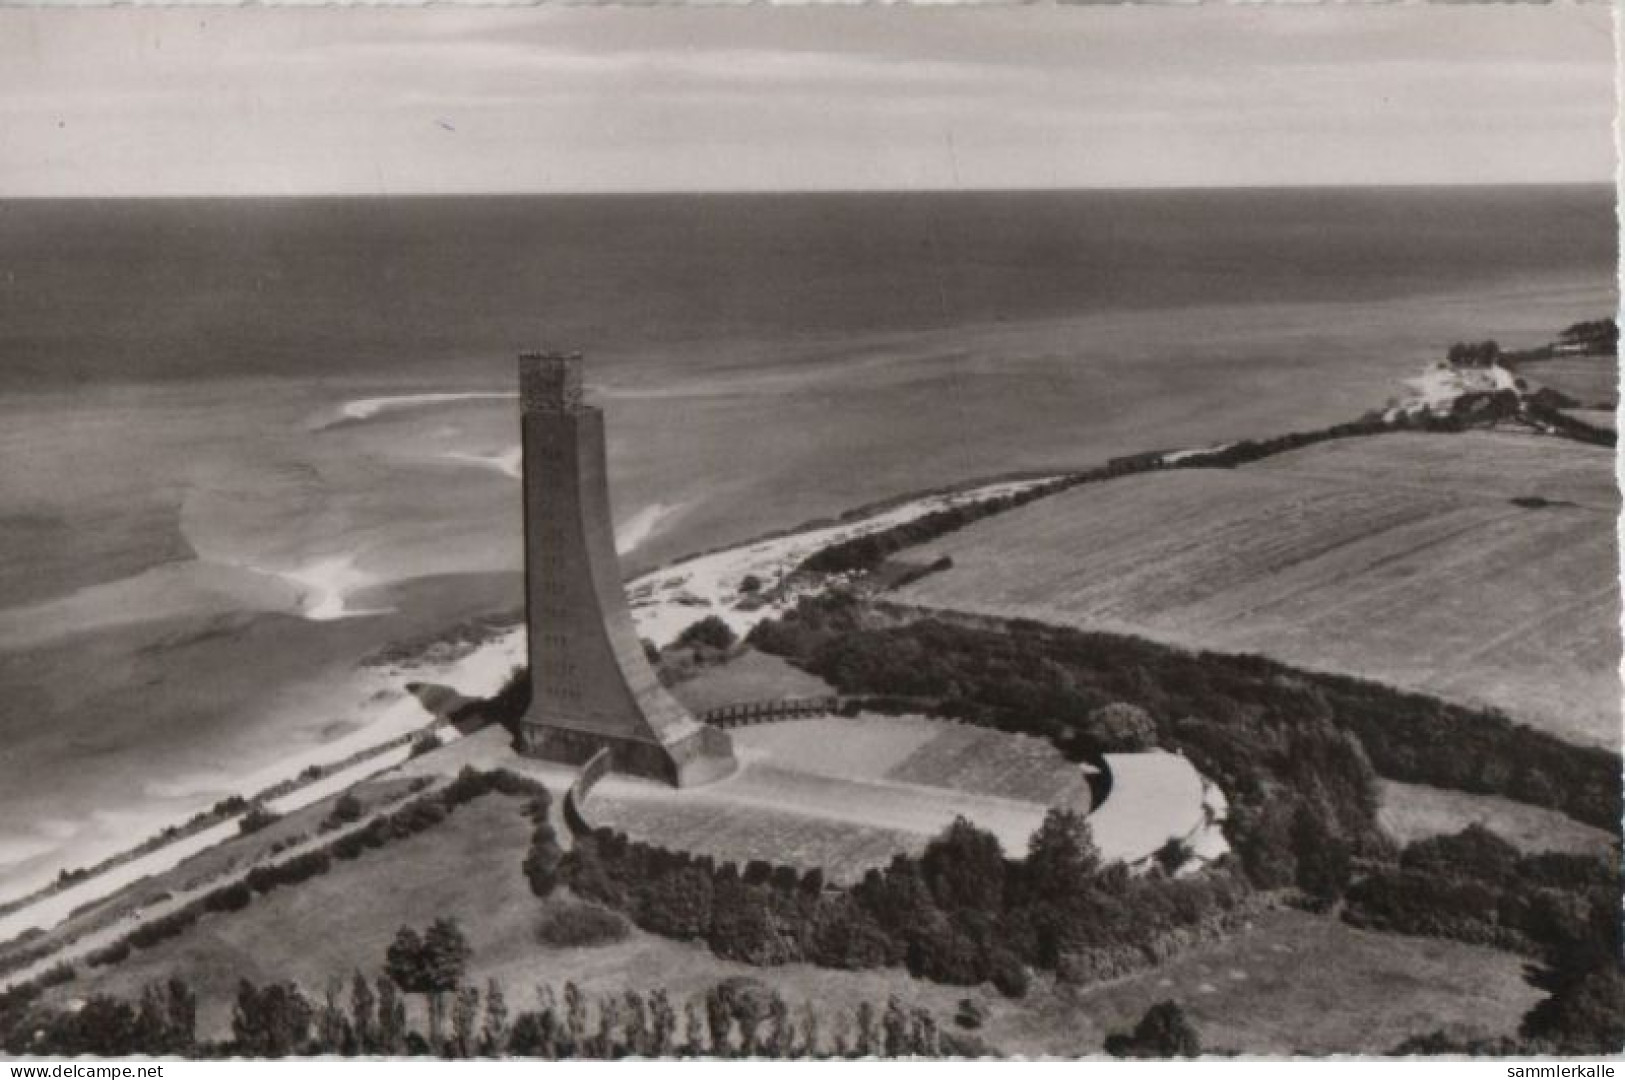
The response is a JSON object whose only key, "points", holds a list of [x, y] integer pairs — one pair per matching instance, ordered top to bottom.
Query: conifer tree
{"points": [[465, 1011], [363, 1014], [180, 1015], [391, 1018], [575, 1021], [719, 1022], [635, 1023], [552, 1024], [662, 1025], [895, 1028], [809, 1031], [151, 1032], [333, 1032], [494, 1033], [923, 1034], [869, 1040], [781, 1041], [695, 1042], [605, 1044], [844, 1044]]}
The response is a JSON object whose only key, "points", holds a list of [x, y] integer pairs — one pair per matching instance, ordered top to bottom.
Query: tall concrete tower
{"points": [[591, 686]]}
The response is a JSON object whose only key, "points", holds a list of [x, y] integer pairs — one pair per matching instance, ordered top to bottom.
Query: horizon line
{"points": [[669, 192]]}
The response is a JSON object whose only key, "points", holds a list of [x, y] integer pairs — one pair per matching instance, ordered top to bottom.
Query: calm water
{"points": [[112, 289], [171, 373]]}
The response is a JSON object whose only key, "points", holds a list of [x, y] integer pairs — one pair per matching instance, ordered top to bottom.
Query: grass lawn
{"points": [[1591, 380], [1402, 558], [750, 676], [848, 794], [1415, 811], [238, 852], [1295, 983]]}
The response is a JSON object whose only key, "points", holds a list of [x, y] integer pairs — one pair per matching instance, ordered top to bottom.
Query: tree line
{"points": [[866, 553], [1236, 716], [1296, 754], [420, 813], [1561, 908], [961, 913], [737, 1017]]}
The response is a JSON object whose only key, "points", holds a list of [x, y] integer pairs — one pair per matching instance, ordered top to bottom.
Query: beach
{"points": [[213, 529]]}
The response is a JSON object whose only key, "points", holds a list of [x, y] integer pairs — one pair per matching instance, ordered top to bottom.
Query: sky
{"points": [[177, 101]]}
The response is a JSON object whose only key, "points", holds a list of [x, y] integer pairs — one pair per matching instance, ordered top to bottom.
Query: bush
{"points": [[710, 632], [1121, 728], [424, 742], [230, 806], [346, 810], [256, 818], [544, 859], [233, 897], [580, 925], [151, 933], [115, 953], [970, 1014], [1163, 1032]]}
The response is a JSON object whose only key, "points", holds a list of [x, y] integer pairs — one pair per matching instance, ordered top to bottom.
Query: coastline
{"points": [[664, 601], [388, 714]]}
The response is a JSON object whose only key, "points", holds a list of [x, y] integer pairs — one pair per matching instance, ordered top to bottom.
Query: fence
{"points": [[743, 713], [593, 771]]}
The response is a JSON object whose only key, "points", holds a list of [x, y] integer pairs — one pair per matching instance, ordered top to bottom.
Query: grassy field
{"points": [[1591, 380], [1597, 418], [1400, 558], [750, 676], [864, 748], [915, 751], [989, 762], [847, 794], [1415, 811], [728, 831], [208, 866], [344, 919], [1294, 983], [1297, 984]]}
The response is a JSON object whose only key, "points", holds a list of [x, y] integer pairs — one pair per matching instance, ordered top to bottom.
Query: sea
{"points": [[247, 444]]}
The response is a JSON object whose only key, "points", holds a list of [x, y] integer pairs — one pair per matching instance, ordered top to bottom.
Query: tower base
{"points": [[698, 756]]}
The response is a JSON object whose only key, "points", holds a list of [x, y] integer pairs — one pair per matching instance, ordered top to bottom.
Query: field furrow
{"points": [[1402, 558]]}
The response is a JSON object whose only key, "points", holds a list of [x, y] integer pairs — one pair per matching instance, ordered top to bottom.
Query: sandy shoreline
{"points": [[664, 602]]}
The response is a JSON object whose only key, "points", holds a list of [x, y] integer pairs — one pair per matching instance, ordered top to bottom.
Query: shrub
{"points": [[710, 632], [1121, 728], [423, 742], [230, 806], [347, 809], [256, 818], [350, 845], [543, 860], [233, 897], [580, 925], [151, 933], [115, 953], [970, 1014], [1586, 1014], [1163, 1032]]}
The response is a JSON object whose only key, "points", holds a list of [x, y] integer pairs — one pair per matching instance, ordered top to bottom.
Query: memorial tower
{"points": [[591, 686]]}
